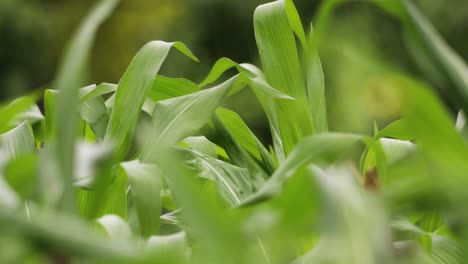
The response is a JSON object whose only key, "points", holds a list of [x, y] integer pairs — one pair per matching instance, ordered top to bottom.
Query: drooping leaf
{"points": [[164, 88], [133, 89], [99, 90], [11, 111], [33, 115]]}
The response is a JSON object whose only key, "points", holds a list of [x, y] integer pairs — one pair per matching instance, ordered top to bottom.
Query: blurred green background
{"points": [[33, 34]]}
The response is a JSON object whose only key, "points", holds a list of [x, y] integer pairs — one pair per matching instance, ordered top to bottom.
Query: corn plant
{"points": [[154, 170]]}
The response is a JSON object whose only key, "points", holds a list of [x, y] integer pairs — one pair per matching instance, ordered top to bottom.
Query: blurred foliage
{"points": [[153, 169]]}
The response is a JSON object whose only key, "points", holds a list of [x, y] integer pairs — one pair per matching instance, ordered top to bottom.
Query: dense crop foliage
{"points": [[154, 170]]}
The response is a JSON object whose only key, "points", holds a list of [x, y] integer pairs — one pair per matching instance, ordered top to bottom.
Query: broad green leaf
{"points": [[295, 22], [280, 61], [220, 67], [258, 83], [164, 88], [133, 89], [99, 90], [11, 111], [94, 112], [33, 115], [177, 118], [399, 129], [246, 138], [18, 141], [201, 144], [237, 155], [21, 175], [232, 182], [145, 185], [108, 196], [430, 222], [445, 250]]}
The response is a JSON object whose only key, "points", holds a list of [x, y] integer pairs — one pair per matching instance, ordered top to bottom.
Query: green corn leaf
{"points": [[295, 22], [280, 61], [220, 67], [257, 82], [316, 86], [164, 88], [133, 89], [99, 90], [50, 108], [11, 111], [94, 112], [33, 115], [177, 118], [398, 130], [246, 138], [18, 141], [201, 144], [323, 148], [237, 155], [21, 176], [232, 182], [145, 186], [108, 195], [445, 250]]}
